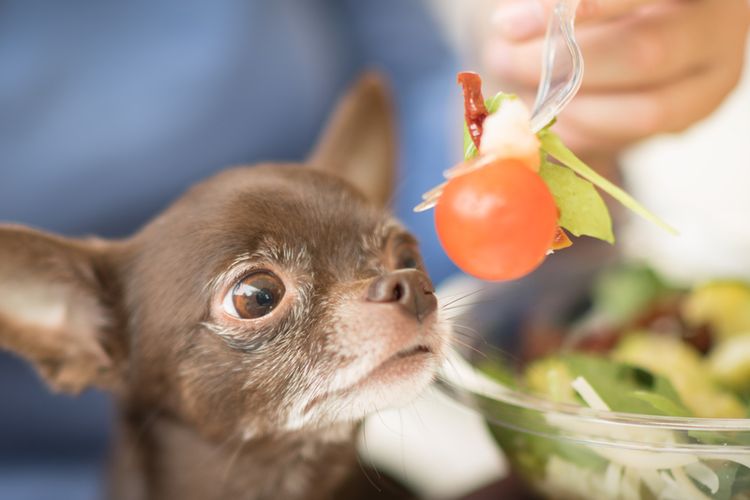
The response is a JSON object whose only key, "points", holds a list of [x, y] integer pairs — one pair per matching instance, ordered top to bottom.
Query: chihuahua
{"points": [[248, 329]]}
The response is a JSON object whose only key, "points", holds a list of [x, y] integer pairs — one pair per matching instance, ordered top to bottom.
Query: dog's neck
{"points": [[160, 458]]}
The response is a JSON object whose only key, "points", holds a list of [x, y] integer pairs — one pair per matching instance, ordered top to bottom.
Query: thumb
{"points": [[520, 20]]}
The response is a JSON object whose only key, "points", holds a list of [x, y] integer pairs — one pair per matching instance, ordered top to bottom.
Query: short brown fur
{"points": [[213, 406]]}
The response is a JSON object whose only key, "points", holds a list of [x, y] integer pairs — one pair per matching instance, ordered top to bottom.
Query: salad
{"points": [[518, 193], [644, 347]]}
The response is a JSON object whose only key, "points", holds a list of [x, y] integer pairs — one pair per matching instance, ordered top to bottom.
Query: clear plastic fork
{"points": [[562, 73], [561, 76]]}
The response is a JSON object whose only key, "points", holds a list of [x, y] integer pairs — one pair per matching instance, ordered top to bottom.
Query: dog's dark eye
{"points": [[407, 257], [256, 295]]}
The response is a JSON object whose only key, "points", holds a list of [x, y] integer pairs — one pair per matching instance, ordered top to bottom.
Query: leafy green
{"points": [[552, 144], [470, 150], [582, 210], [622, 292], [685, 368], [498, 370], [621, 385], [630, 389], [664, 405], [722, 438], [529, 451], [727, 474], [741, 482]]}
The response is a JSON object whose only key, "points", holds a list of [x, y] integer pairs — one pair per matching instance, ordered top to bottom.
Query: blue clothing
{"points": [[109, 110]]}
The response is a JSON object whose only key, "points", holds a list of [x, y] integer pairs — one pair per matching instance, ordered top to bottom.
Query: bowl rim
{"points": [[477, 391], [601, 420]]}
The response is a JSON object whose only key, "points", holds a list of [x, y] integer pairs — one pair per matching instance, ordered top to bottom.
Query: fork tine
{"points": [[557, 88], [436, 191], [427, 204]]}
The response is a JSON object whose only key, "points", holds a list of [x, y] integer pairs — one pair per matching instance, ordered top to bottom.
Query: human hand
{"points": [[652, 66]]}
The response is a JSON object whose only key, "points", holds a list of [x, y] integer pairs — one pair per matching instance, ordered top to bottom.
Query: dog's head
{"points": [[268, 298]]}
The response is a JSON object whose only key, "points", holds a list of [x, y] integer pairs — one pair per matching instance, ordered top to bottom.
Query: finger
{"points": [[592, 10], [524, 19], [519, 20], [660, 47], [645, 50], [515, 66], [617, 120], [579, 137]]}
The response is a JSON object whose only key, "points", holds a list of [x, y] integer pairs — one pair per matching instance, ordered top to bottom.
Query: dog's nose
{"points": [[410, 288]]}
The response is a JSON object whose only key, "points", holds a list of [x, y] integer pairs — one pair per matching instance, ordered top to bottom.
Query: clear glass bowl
{"points": [[566, 451], [571, 452]]}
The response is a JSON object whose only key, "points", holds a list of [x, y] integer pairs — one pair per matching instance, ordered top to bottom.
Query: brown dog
{"points": [[246, 330]]}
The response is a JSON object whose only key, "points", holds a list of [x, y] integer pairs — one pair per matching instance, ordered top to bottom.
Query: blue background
{"points": [[110, 109]]}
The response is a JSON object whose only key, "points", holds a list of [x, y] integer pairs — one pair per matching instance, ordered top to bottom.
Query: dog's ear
{"points": [[359, 141], [57, 307]]}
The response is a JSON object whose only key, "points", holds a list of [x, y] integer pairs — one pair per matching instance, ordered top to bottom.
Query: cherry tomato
{"points": [[498, 222]]}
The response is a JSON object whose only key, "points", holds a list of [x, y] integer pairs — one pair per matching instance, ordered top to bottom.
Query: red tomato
{"points": [[498, 222]]}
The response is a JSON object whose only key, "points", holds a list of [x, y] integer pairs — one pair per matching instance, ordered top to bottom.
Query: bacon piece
{"points": [[474, 109]]}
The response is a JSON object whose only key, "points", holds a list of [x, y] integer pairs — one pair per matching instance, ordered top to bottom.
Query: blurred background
{"points": [[109, 110]]}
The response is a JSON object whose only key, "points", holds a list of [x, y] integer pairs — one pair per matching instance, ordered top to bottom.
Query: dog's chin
{"points": [[403, 367], [395, 379], [395, 382]]}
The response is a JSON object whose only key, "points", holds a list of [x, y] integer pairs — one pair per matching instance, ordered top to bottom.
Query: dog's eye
{"points": [[407, 257], [254, 296]]}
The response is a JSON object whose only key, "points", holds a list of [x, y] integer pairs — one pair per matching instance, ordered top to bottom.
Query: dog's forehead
{"points": [[291, 205], [274, 210]]}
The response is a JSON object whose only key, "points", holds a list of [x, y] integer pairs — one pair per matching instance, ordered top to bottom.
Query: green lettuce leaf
{"points": [[552, 144], [470, 150], [582, 210], [620, 293], [622, 386], [662, 404], [529, 451], [727, 474]]}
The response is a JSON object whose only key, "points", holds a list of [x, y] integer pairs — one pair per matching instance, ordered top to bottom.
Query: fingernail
{"points": [[519, 20]]}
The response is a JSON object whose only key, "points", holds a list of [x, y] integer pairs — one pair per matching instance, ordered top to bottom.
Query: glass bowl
{"points": [[567, 451], [570, 451]]}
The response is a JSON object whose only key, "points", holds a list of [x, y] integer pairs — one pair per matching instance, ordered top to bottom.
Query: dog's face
{"points": [[277, 297], [268, 299]]}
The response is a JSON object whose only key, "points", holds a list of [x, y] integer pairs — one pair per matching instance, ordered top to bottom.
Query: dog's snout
{"points": [[410, 288]]}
